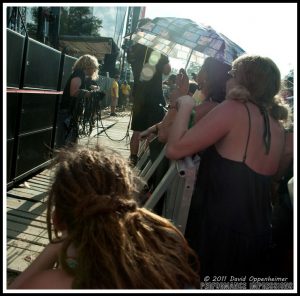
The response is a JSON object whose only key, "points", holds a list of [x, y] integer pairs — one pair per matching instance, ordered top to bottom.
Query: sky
{"points": [[268, 29]]}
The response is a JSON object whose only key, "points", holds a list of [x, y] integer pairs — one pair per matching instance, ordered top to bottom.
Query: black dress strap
{"points": [[249, 129], [267, 131]]}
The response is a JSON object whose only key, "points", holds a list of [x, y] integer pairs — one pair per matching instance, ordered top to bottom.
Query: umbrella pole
{"points": [[188, 60]]}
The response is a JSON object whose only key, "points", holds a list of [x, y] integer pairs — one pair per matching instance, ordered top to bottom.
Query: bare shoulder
{"points": [[76, 79], [231, 105], [228, 109], [232, 110], [49, 279]]}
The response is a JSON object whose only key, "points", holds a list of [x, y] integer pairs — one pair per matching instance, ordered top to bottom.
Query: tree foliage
{"points": [[76, 21], [79, 21], [32, 27]]}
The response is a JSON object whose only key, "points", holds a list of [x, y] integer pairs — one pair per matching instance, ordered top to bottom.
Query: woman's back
{"points": [[245, 139], [231, 205]]}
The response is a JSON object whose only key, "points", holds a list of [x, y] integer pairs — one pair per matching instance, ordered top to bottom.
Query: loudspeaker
{"points": [[14, 51], [110, 61], [42, 66], [67, 70], [38, 112], [11, 113], [32, 151], [9, 156]]}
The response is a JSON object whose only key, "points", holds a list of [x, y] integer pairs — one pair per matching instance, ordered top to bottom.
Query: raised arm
{"points": [[206, 132]]}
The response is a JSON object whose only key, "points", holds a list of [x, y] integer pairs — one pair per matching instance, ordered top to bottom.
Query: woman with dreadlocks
{"points": [[103, 239]]}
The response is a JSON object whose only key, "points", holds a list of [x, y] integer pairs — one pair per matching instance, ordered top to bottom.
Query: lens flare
{"points": [[154, 58], [147, 72]]}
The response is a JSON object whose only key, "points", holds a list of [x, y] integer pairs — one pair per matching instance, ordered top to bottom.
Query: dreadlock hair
{"points": [[258, 80], [119, 245]]}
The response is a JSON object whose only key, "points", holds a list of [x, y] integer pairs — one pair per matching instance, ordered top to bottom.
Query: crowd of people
{"points": [[234, 118]]}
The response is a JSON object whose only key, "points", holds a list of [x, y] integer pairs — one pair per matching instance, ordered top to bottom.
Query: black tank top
{"points": [[67, 101]]}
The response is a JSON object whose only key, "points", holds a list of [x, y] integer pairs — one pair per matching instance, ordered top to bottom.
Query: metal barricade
{"points": [[178, 182]]}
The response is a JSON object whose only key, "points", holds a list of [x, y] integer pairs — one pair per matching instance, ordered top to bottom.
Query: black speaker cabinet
{"points": [[14, 50], [109, 64], [42, 66], [67, 70], [38, 111], [11, 114], [32, 151], [9, 156]]}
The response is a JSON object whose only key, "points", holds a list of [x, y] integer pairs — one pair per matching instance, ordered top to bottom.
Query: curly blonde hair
{"points": [[87, 61], [258, 80], [119, 245]]}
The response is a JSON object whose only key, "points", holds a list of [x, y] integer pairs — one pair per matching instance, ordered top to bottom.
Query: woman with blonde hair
{"points": [[75, 92], [244, 141], [103, 239]]}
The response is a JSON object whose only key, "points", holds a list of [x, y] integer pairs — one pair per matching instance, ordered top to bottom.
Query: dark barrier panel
{"points": [[14, 49], [109, 65], [42, 66], [67, 69], [35, 72], [38, 112], [11, 114], [33, 151], [9, 157]]}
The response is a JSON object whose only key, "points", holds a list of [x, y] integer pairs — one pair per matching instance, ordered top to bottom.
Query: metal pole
{"points": [[40, 25], [54, 27], [127, 30], [188, 60]]}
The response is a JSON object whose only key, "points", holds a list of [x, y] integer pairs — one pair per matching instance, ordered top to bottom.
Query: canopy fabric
{"points": [[187, 40], [80, 45]]}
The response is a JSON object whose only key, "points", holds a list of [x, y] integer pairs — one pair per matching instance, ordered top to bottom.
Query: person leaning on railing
{"points": [[243, 140]]}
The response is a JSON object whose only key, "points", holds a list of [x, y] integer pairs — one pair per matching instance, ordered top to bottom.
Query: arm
{"points": [[182, 85], [75, 90], [203, 109], [165, 125], [150, 130], [206, 132], [286, 158], [45, 261]]}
